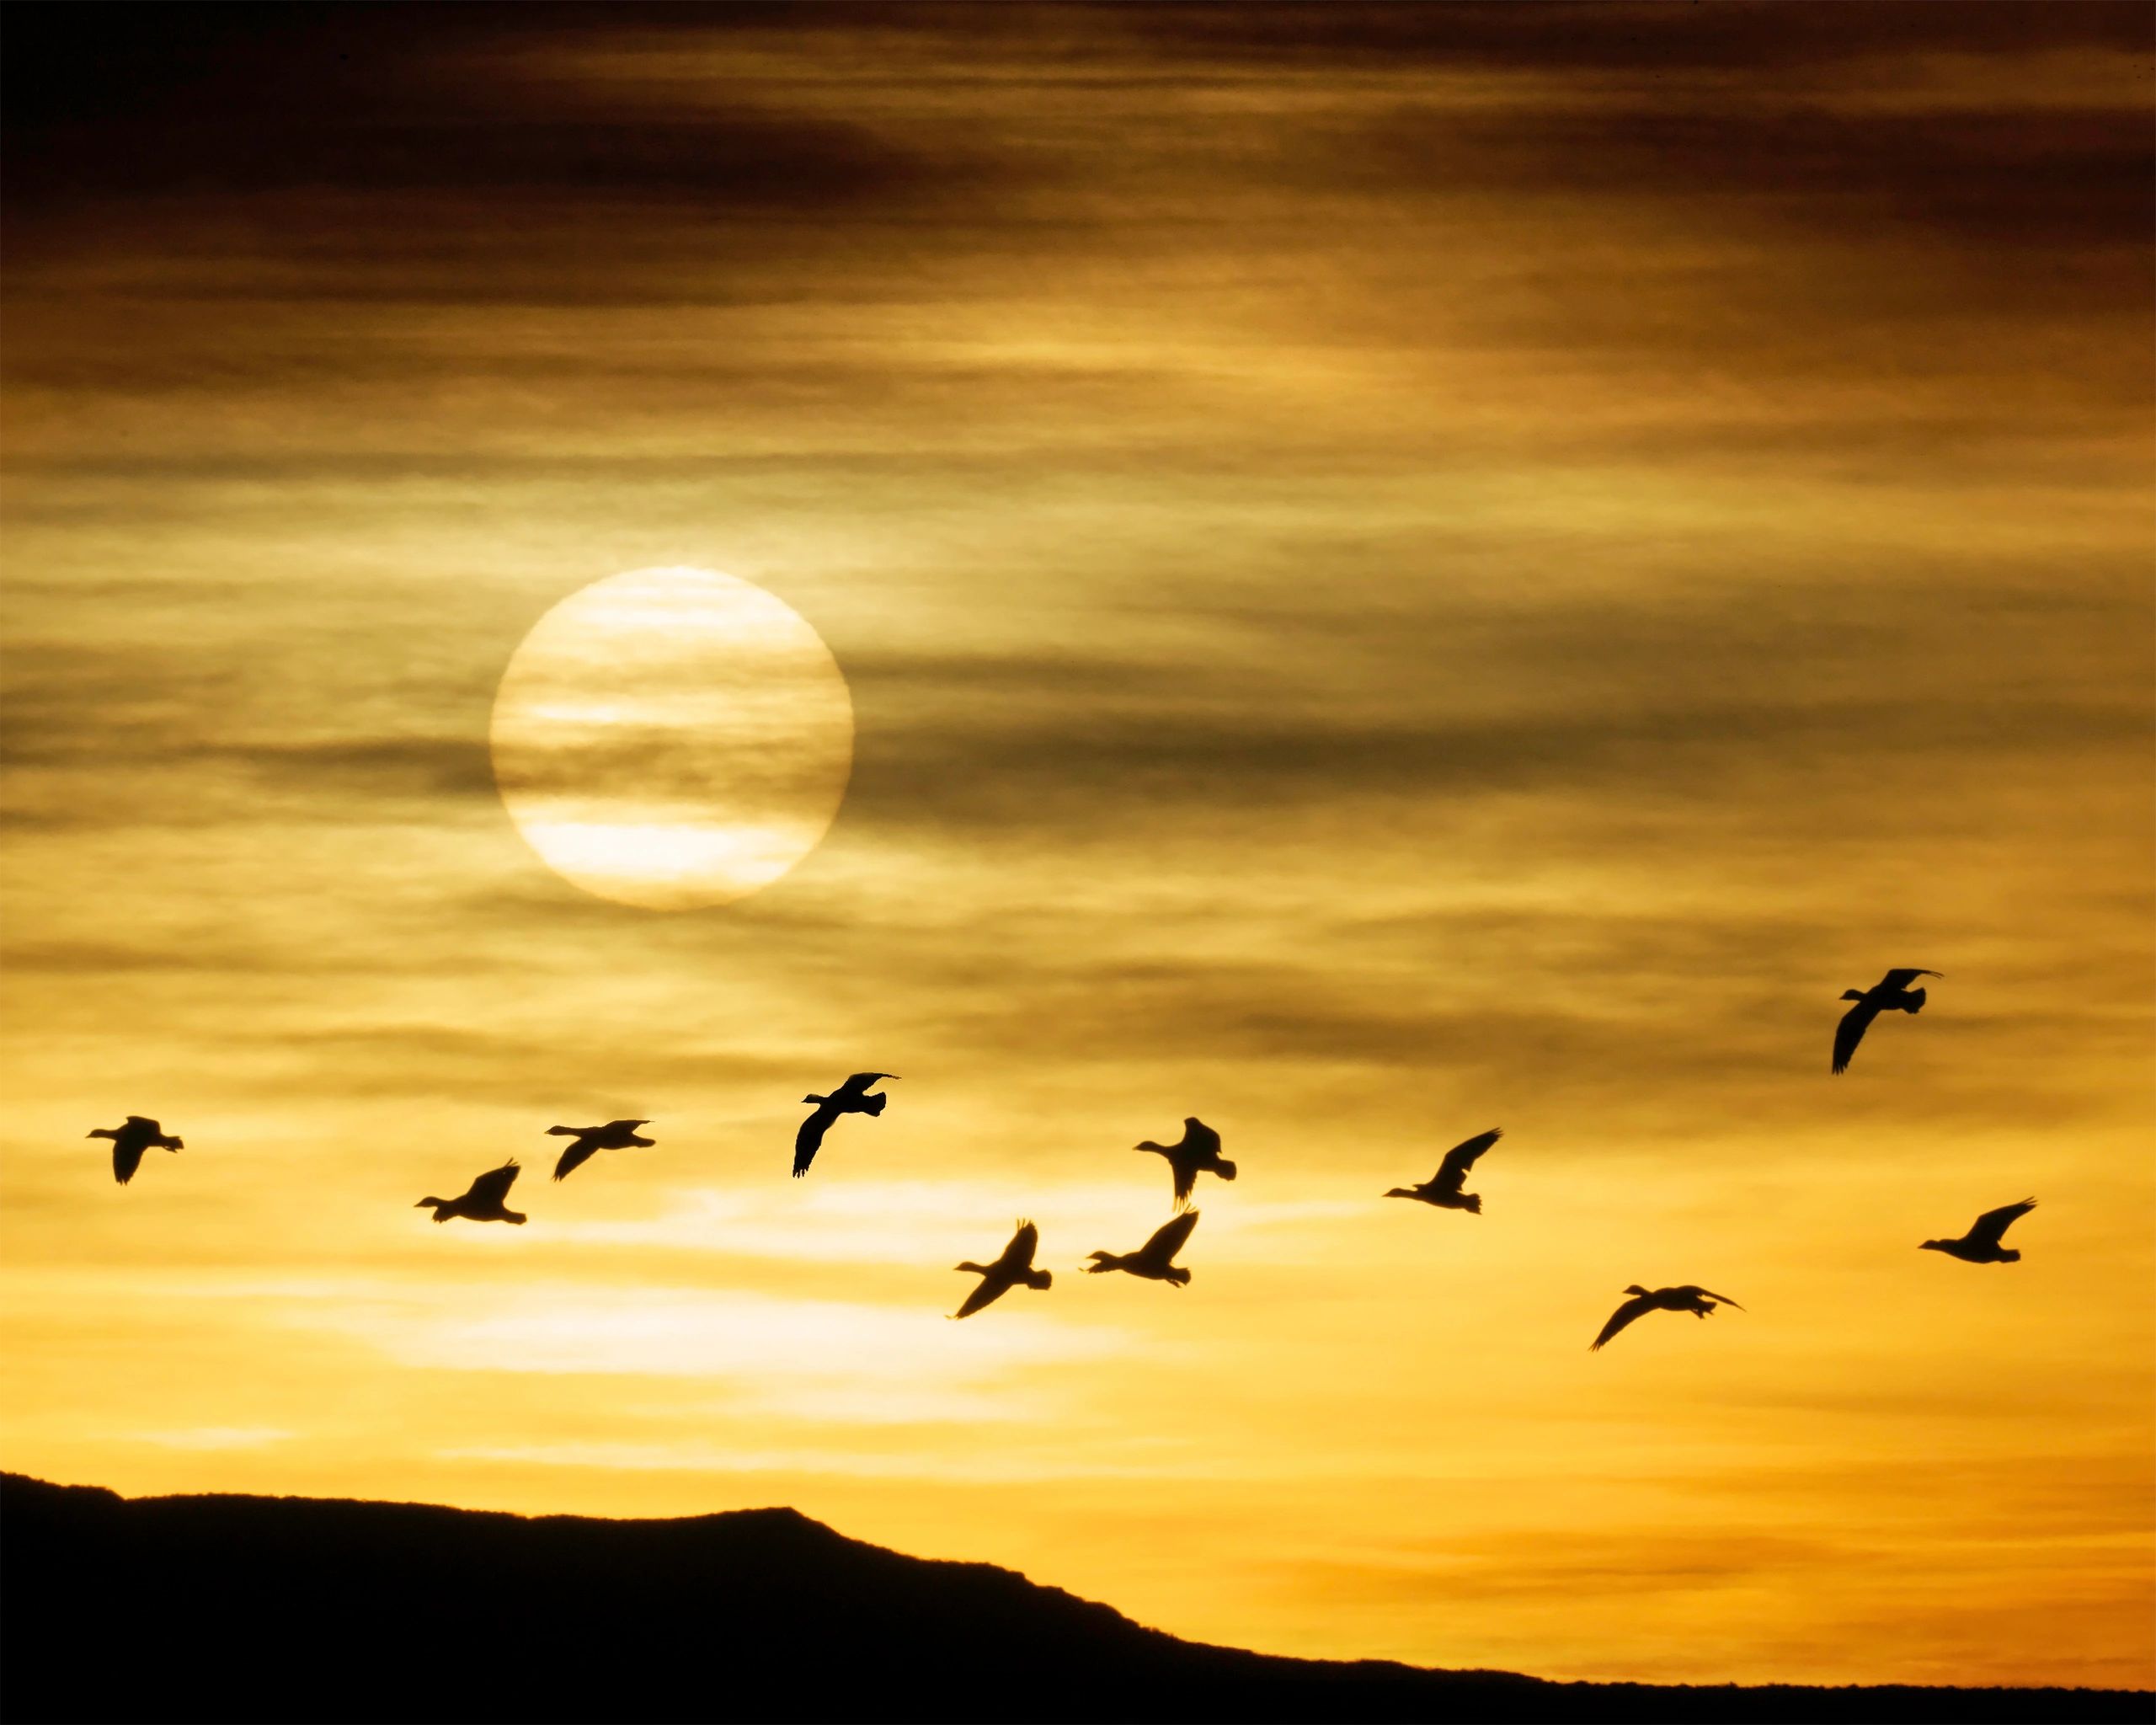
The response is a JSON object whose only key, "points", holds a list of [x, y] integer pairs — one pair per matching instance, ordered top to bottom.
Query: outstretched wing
{"points": [[1902, 978], [1850, 1032], [856, 1086], [145, 1120], [623, 1127], [1198, 1136], [810, 1138], [127, 1154], [576, 1154], [1452, 1172], [1185, 1179], [492, 1186], [1993, 1223], [1168, 1238], [1018, 1255], [992, 1289], [1709, 1294], [1618, 1319]]}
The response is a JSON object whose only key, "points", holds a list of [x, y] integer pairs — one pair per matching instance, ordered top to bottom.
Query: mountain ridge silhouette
{"points": [[242, 1607]]}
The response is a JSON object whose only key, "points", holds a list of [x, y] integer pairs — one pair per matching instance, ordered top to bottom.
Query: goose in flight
{"points": [[1892, 993], [850, 1097], [615, 1135], [130, 1139], [1197, 1150], [1442, 1187], [482, 1201], [1980, 1245], [1151, 1260], [999, 1278], [1696, 1300]]}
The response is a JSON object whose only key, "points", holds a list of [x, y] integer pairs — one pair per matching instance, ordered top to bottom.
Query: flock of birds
{"points": [[1198, 1151]]}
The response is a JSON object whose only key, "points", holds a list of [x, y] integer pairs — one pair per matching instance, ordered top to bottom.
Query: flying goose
{"points": [[1892, 993], [850, 1097], [615, 1135], [130, 1139], [1197, 1150], [1442, 1187], [482, 1201], [1980, 1245], [1150, 1260], [999, 1278], [1696, 1300]]}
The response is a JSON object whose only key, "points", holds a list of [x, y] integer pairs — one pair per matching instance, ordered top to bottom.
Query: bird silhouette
{"points": [[1892, 993], [850, 1097], [615, 1135], [130, 1139], [1198, 1150], [1442, 1187], [482, 1200], [1980, 1245], [1151, 1260], [999, 1278], [1696, 1300]]}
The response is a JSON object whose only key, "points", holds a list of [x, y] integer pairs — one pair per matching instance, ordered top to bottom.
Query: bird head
{"points": [[1852, 994], [816, 1098], [1148, 1144], [1400, 1192], [1932, 1245], [1100, 1257], [1635, 1288]]}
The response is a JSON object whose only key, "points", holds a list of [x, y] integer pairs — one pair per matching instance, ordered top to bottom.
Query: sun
{"points": [[672, 737]]}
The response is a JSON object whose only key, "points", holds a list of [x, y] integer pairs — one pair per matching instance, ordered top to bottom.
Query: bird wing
{"points": [[1902, 978], [1850, 1032], [857, 1086], [144, 1120], [624, 1127], [1200, 1137], [810, 1138], [126, 1155], [576, 1155], [1452, 1172], [1185, 1175], [492, 1187], [1993, 1223], [1168, 1238], [1018, 1255], [992, 1289], [1709, 1294], [1623, 1315]]}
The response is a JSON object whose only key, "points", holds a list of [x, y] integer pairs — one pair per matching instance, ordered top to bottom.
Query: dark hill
{"points": [[308, 1609]]}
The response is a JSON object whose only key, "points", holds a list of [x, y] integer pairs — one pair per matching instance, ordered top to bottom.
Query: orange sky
{"points": [[1398, 572]]}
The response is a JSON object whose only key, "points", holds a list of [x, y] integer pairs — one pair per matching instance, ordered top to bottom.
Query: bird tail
{"points": [[1914, 1003], [874, 1104], [1226, 1171], [1473, 1200], [510, 1215], [2008, 1255], [1041, 1278]]}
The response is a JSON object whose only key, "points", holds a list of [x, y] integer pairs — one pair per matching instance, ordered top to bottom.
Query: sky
{"points": [[1397, 571]]}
